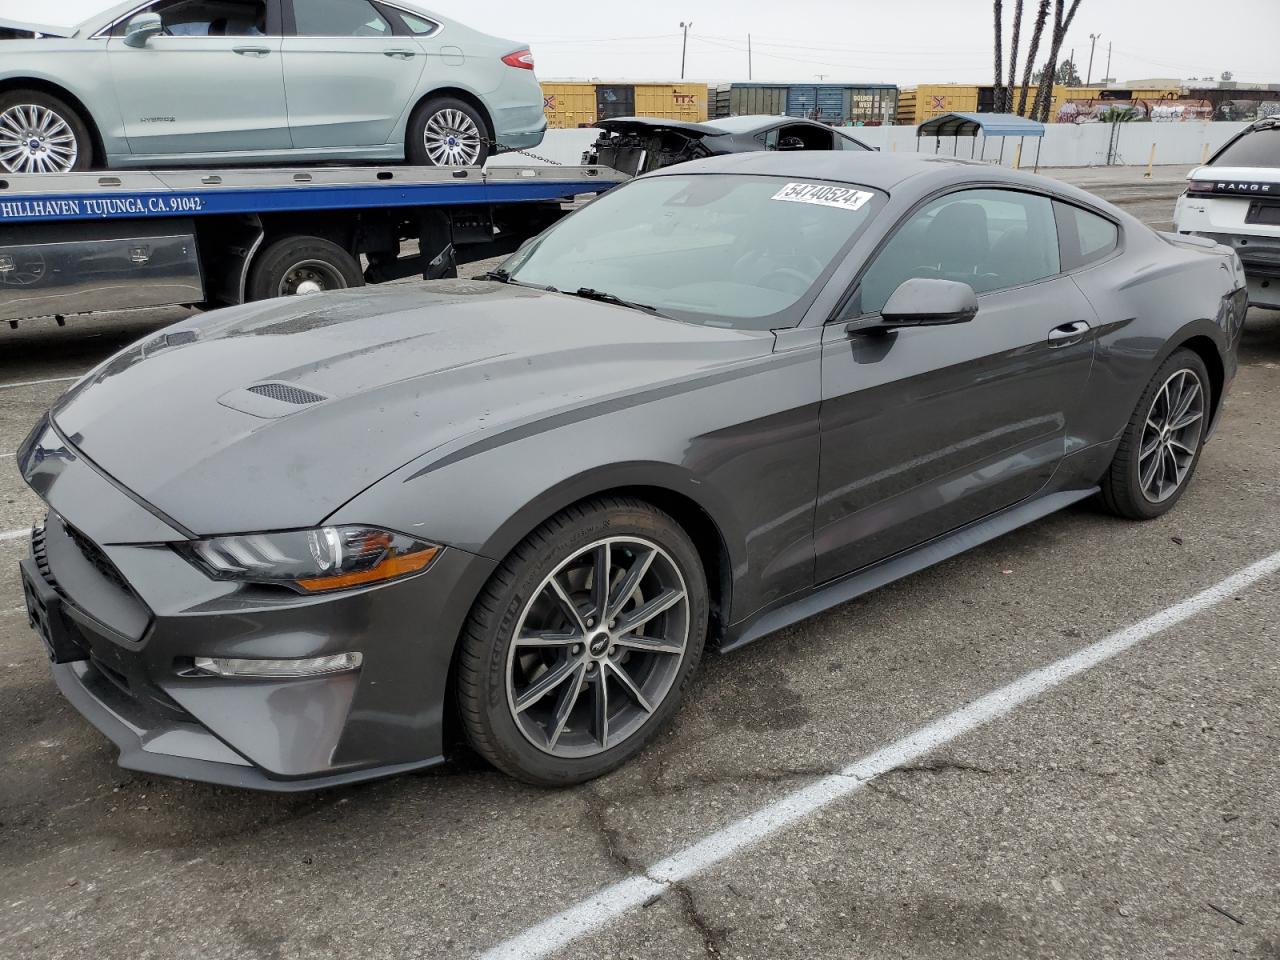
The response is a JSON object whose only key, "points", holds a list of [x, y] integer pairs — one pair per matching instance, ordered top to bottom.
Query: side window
{"points": [[206, 18], [339, 18], [418, 26], [804, 136], [769, 138], [848, 143], [1083, 236], [989, 239]]}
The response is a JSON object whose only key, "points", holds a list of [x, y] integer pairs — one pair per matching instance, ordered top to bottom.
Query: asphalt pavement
{"points": [[1131, 810]]}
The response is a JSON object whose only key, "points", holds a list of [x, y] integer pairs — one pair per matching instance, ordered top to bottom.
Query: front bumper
{"points": [[126, 619]]}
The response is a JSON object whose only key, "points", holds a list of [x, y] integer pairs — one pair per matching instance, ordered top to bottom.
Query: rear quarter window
{"points": [[1255, 148], [1083, 237]]}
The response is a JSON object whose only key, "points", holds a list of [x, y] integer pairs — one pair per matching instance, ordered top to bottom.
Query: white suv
{"points": [[1235, 200]]}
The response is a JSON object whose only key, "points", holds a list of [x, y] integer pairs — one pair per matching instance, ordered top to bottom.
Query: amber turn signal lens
{"points": [[393, 566]]}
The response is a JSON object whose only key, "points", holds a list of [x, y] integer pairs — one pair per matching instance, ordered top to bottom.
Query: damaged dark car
{"points": [[639, 145]]}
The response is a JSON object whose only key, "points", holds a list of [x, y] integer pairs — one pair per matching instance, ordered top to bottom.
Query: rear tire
{"points": [[447, 132], [62, 139], [302, 265], [1161, 444], [615, 662]]}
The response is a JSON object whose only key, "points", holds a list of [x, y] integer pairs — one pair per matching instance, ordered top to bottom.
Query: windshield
{"points": [[1255, 148], [726, 250]]}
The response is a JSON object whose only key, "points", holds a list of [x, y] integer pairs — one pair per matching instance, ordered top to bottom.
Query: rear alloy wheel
{"points": [[445, 132], [41, 134], [293, 266], [1161, 445], [582, 644]]}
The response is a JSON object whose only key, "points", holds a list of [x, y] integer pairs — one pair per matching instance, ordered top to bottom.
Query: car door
{"points": [[349, 73], [210, 83], [925, 429]]}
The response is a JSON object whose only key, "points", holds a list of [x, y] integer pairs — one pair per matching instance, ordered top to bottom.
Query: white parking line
{"points": [[33, 383], [14, 534], [613, 901]]}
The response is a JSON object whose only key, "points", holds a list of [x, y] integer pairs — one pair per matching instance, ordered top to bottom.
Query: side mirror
{"points": [[142, 28], [923, 302]]}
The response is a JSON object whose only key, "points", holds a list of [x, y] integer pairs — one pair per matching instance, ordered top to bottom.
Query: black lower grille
{"points": [[95, 555], [42, 556]]}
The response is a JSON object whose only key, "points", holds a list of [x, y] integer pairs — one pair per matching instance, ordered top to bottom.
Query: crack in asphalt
{"points": [[939, 766], [610, 837], [611, 842], [712, 937]]}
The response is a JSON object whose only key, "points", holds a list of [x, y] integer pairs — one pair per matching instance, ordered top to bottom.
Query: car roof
{"points": [[109, 13], [869, 168], [882, 171]]}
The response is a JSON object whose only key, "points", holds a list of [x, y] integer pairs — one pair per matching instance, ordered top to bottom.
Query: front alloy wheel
{"points": [[35, 138], [581, 645], [598, 645]]}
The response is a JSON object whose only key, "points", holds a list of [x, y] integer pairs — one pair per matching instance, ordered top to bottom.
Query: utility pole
{"points": [[1093, 40], [684, 46], [748, 56], [821, 76], [1108, 78]]}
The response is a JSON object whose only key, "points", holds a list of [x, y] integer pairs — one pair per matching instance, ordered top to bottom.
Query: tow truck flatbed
{"points": [[78, 242]]}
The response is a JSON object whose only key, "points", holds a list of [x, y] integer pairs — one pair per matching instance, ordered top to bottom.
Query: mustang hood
{"points": [[272, 415]]}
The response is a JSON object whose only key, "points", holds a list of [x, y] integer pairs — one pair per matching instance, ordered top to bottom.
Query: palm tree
{"points": [[998, 10], [1041, 15], [1061, 24], [1006, 95]]}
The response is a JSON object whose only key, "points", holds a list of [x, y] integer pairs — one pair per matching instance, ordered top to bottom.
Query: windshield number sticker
{"points": [[846, 198]]}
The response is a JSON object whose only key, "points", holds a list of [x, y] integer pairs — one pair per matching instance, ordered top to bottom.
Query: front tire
{"points": [[447, 132], [41, 134], [299, 265], [1161, 444], [580, 647]]}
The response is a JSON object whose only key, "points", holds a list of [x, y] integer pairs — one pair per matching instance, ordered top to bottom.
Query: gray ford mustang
{"points": [[301, 542]]}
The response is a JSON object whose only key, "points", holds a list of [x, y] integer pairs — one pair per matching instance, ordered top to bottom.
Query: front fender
{"points": [[87, 86], [744, 451]]}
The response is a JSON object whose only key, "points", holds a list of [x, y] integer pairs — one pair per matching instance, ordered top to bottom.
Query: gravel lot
{"points": [[1132, 812]]}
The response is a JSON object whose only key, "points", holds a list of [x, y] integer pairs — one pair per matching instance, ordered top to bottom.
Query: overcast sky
{"points": [[847, 41]]}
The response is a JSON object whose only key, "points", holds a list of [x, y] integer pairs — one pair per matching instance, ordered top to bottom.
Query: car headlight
{"points": [[312, 561]]}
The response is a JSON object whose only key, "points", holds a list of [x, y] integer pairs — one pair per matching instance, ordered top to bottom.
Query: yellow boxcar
{"points": [[927, 100], [672, 101], [569, 104]]}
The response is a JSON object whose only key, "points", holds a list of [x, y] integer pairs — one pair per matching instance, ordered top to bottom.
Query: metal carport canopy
{"points": [[991, 125]]}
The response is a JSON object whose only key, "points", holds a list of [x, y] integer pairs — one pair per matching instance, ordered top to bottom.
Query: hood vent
{"points": [[286, 393], [272, 399]]}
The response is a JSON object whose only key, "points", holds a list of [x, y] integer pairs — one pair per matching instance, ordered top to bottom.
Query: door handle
{"points": [[252, 51], [402, 54], [1068, 333]]}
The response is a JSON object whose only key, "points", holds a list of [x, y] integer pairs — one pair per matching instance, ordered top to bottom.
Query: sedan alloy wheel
{"points": [[36, 139], [452, 139]]}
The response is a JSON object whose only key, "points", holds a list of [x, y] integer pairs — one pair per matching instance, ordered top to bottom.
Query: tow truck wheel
{"points": [[444, 132], [41, 134], [300, 265]]}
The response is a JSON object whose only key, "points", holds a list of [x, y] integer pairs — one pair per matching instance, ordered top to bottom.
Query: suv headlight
{"points": [[312, 561]]}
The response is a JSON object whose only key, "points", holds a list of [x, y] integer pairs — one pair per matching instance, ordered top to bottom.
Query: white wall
{"points": [[1064, 144]]}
